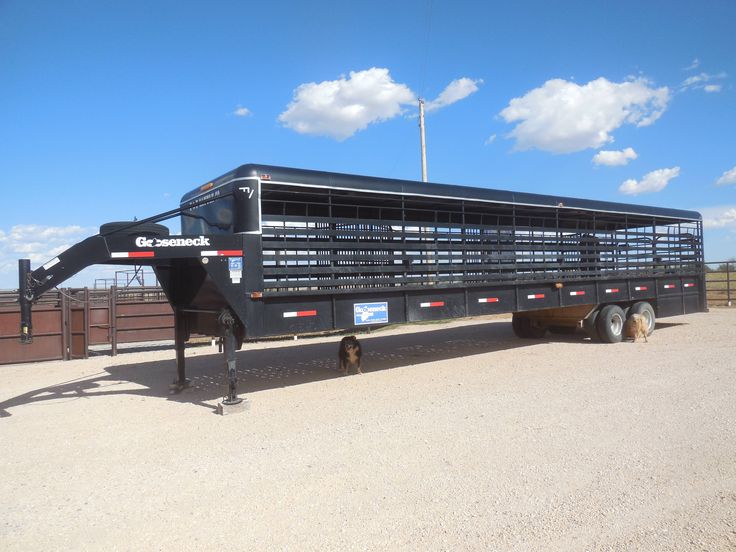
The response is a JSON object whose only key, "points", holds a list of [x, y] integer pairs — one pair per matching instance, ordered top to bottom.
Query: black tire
{"points": [[145, 229], [647, 311], [610, 324], [520, 325], [589, 326], [527, 328], [536, 329], [562, 330]]}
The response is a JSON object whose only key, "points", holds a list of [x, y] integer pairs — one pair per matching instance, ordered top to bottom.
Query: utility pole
{"points": [[421, 139]]}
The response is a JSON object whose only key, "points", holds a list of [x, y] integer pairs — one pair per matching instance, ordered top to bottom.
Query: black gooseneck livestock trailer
{"points": [[270, 251]]}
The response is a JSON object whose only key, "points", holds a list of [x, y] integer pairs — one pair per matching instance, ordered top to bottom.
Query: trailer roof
{"points": [[322, 179]]}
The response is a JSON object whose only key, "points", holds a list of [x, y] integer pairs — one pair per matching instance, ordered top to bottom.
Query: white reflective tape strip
{"points": [[208, 253], [119, 254], [51, 263], [689, 285], [669, 286], [640, 288], [612, 290], [577, 293], [535, 296], [488, 300], [432, 304], [299, 314]]}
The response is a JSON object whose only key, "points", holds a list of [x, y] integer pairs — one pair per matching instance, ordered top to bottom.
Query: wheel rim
{"points": [[648, 317], [617, 324]]}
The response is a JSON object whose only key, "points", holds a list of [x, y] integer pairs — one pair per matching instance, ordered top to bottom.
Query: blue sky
{"points": [[110, 110]]}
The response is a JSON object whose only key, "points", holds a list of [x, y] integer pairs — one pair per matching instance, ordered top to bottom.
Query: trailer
{"points": [[268, 251]]}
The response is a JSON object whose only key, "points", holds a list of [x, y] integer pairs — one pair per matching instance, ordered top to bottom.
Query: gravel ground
{"points": [[458, 436]]}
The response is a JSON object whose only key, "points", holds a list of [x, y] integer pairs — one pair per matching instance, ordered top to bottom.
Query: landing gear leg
{"points": [[180, 339], [232, 403]]}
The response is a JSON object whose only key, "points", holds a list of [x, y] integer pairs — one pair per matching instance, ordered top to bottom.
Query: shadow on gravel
{"points": [[276, 367]]}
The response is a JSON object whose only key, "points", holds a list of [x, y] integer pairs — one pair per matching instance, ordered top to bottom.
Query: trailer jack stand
{"points": [[180, 337], [232, 403]]}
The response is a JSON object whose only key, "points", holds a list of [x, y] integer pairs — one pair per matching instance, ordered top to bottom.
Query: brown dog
{"points": [[636, 327], [349, 354]]}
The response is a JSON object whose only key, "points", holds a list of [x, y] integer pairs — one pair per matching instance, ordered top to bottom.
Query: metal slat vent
{"points": [[317, 239]]}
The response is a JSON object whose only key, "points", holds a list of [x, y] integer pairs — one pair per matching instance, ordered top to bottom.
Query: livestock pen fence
{"points": [[720, 283], [68, 321]]}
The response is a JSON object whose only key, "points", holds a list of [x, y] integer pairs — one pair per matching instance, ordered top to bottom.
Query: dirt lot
{"points": [[459, 436]]}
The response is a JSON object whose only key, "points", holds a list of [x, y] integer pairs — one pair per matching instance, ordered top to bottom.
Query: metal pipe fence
{"points": [[720, 283], [67, 322]]}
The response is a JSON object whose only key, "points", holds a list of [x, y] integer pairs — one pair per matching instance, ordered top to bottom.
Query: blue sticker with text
{"points": [[235, 263], [370, 313]]}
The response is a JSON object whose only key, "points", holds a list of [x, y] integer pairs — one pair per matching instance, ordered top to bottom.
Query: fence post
{"points": [[728, 283], [114, 319], [65, 322], [87, 322]]}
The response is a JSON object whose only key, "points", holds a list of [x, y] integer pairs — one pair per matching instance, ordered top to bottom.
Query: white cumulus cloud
{"points": [[701, 80], [454, 92], [340, 108], [241, 111], [564, 117], [614, 158], [728, 177], [655, 181], [723, 216], [35, 242]]}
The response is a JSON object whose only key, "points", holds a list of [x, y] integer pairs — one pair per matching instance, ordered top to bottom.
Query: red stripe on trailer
{"points": [[690, 285], [670, 286], [640, 288], [612, 290], [577, 293], [536, 296], [488, 300], [432, 304], [299, 314]]}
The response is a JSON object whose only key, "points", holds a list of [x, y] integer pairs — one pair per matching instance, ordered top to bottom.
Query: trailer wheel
{"points": [[145, 229], [646, 310], [610, 324], [520, 325], [589, 326], [527, 328], [536, 329], [562, 330]]}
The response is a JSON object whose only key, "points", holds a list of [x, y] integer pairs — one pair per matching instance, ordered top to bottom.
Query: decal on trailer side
{"points": [[201, 241], [235, 266], [370, 313]]}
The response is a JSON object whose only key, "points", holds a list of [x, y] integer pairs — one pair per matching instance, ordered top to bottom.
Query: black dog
{"points": [[349, 354]]}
